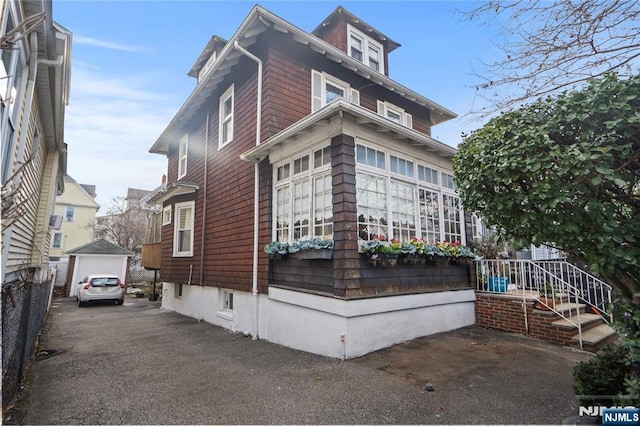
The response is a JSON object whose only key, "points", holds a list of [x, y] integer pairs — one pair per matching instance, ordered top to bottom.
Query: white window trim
{"points": [[366, 41], [207, 66], [319, 81], [229, 93], [12, 94], [405, 118], [183, 154], [309, 176], [389, 176], [443, 176], [73, 215], [166, 216], [176, 224], [53, 239], [224, 312]]}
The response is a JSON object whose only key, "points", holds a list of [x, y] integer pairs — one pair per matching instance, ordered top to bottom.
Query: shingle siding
{"points": [[228, 234]]}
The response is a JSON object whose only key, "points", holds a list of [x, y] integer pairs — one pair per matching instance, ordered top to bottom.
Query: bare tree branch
{"points": [[552, 46], [123, 225]]}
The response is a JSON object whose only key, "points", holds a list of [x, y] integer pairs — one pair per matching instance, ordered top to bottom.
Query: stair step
{"points": [[565, 307], [585, 320], [596, 335]]}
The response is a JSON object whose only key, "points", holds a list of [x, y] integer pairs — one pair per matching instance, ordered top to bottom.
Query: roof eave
{"points": [[260, 14], [341, 106]]}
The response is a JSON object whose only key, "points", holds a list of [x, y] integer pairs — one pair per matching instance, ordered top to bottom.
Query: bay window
{"points": [[398, 197], [303, 198]]}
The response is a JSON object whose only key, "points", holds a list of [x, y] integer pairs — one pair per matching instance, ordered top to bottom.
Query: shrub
{"points": [[603, 375]]}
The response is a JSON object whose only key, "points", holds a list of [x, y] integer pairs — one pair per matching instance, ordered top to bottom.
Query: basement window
{"points": [[226, 299]]}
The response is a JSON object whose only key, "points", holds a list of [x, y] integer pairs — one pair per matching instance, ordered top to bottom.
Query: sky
{"points": [[130, 61]]}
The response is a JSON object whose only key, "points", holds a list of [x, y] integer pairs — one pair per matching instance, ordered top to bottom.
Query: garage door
{"points": [[88, 265]]}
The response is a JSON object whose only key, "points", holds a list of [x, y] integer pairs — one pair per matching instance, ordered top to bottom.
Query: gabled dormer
{"points": [[357, 39], [207, 57]]}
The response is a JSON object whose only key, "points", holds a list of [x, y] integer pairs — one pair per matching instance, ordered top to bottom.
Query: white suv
{"points": [[100, 287]]}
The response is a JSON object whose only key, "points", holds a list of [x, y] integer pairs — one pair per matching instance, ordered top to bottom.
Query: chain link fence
{"points": [[24, 309]]}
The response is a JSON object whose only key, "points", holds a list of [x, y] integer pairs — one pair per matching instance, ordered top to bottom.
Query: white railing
{"points": [[559, 286], [594, 292]]}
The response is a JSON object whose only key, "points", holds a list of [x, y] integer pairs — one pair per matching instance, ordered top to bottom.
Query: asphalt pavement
{"points": [[140, 364]]}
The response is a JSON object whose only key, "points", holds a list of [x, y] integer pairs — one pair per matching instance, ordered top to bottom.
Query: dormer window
{"points": [[365, 49], [207, 66]]}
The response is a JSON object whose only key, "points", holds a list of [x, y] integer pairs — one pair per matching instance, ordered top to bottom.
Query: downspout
{"points": [[31, 84], [205, 199], [256, 200]]}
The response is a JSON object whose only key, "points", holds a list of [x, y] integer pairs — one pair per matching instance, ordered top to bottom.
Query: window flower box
{"points": [[315, 248], [416, 252], [382, 253], [314, 254]]}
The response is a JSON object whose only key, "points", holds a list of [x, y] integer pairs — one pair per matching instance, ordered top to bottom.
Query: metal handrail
{"points": [[592, 290], [565, 293]]}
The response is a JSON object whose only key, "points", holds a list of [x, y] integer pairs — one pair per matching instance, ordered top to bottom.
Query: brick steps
{"points": [[517, 314], [587, 321], [595, 332], [594, 338]]}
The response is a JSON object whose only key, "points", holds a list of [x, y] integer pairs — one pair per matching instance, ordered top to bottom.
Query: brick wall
{"points": [[506, 313]]}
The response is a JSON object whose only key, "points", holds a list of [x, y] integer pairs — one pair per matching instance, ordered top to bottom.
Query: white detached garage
{"points": [[97, 257]]}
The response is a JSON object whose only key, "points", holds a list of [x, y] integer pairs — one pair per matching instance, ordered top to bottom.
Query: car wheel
{"points": [[119, 301], [81, 303]]}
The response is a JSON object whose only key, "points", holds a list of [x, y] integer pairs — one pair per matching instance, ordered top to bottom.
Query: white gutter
{"points": [[52, 62], [31, 84], [256, 200]]}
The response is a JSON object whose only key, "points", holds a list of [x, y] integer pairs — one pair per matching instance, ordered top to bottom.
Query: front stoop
{"points": [[518, 313], [595, 333]]}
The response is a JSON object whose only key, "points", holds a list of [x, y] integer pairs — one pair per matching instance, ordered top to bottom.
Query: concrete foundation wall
{"points": [[206, 303], [327, 326], [345, 329]]}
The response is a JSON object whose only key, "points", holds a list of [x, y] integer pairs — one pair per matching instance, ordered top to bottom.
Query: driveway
{"points": [[139, 364]]}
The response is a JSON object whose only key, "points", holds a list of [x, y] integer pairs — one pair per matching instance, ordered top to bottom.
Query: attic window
{"points": [[364, 49], [207, 66]]}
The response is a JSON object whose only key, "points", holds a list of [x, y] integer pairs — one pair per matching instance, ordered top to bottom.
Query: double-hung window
{"points": [[365, 49], [325, 89], [226, 118], [183, 153], [303, 197], [401, 197], [70, 213], [183, 229], [56, 242]]}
